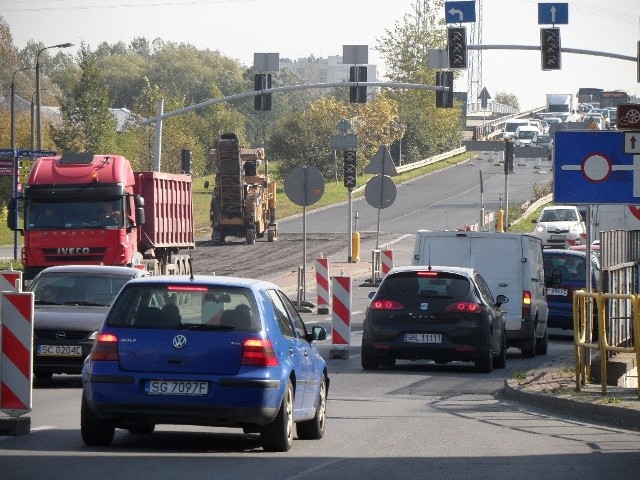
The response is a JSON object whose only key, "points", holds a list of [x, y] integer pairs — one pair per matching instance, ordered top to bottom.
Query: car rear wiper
{"points": [[208, 326]]}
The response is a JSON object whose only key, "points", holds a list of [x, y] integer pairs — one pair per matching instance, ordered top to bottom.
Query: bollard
{"points": [[375, 267], [322, 285], [341, 317]]}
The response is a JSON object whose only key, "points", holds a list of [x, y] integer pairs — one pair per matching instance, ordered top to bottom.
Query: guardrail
{"points": [[428, 161], [583, 321]]}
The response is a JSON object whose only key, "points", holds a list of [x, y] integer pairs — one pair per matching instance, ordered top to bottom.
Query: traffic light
{"points": [[457, 47], [550, 48], [262, 82], [358, 94], [444, 98], [508, 156], [186, 161], [350, 169]]}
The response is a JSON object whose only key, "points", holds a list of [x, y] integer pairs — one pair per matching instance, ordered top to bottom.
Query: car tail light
{"points": [[526, 304], [385, 305], [464, 307], [105, 348], [258, 352]]}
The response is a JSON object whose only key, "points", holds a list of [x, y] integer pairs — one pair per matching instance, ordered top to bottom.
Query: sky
{"points": [[301, 28]]}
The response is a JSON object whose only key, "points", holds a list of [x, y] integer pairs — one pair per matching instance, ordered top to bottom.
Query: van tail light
{"points": [[526, 304], [385, 305], [464, 307], [105, 348], [259, 353]]}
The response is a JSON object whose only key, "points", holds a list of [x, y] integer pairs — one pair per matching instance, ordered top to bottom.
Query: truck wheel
{"points": [[251, 236], [216, 237]]}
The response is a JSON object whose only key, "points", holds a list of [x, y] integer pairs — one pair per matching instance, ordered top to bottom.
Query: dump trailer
{"points": [[243, 204], [95, 210]]}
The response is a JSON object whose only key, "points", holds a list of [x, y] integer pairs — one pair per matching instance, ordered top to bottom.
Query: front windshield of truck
{"points": [[70, 215]]}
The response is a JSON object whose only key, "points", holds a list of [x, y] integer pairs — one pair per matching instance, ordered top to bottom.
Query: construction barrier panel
{"points": [[386, 258], [10, 281], [322, 285], [341, 317], [16, 353]]}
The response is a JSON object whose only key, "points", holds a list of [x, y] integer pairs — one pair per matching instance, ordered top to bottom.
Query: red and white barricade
{"points": [[386, 260], [10, 281], [322, 285], [341, 317], [16, 353]]}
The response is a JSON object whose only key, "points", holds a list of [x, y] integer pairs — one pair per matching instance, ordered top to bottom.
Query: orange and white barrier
{"points": [[386, 258], [322, 285], [341, 317], [16, 353]]}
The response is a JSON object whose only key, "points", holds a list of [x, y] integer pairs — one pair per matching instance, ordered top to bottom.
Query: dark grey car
{"points": [[71, 302]]}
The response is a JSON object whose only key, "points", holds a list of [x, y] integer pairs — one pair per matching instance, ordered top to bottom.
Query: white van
{"points": [[511, 125], [525, 134], [511, 263]]}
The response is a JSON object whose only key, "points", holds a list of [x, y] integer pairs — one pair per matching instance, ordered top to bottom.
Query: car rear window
{"points": [[426, 284], [185, 306]]}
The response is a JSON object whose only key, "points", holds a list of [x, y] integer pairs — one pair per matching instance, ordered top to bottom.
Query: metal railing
{"points": [[608, 341]]}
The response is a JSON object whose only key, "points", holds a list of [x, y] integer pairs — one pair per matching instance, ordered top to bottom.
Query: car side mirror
{"points": [[318, 333]]}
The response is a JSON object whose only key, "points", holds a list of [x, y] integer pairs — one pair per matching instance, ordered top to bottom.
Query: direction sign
{"points": [[459, 12], [553, 13], [484, 97], [628, 116], [632, 143], [7, 152], [592, 167]]}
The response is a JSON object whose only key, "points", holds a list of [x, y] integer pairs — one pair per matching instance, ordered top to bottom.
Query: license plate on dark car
{"points": [[423, 337]]}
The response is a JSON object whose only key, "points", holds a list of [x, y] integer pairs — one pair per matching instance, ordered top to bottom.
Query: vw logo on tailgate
{"points": [[179, 341]]}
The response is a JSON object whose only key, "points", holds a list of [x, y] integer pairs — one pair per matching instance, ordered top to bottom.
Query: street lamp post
{"points": [[39, 119], [14, 153]]}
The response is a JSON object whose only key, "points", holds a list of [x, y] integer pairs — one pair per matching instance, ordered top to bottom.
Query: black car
{"points": [[442, 314]]}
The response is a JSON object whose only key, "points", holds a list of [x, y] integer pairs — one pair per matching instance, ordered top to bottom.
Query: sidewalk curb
{"points": [[625, 418]]}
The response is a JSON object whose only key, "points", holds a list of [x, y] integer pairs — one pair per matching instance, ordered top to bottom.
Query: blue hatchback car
{"points": [[565, 272], [205, 350]]}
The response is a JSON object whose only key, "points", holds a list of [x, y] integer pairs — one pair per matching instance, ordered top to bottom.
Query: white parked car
{"points": [[560, 226]]}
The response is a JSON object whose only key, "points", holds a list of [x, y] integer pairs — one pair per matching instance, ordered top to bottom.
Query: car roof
{"points": [[565, 252], [436, 268], [100, 269], [217, 280]]}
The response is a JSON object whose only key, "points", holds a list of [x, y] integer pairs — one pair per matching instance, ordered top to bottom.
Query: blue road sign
{"points": [[459, 12], [553, 13], [7, 152], [591, 166]]}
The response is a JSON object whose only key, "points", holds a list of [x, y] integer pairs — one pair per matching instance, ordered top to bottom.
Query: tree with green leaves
{"points": [[509, 99], [87, 124], [427, 130]]}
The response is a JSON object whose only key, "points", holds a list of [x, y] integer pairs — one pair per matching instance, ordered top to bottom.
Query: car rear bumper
{"points": [[229, 402]]}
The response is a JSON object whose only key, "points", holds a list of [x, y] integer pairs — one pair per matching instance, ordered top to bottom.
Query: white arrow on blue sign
{"points": [[460, 12], [553, 13]]}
